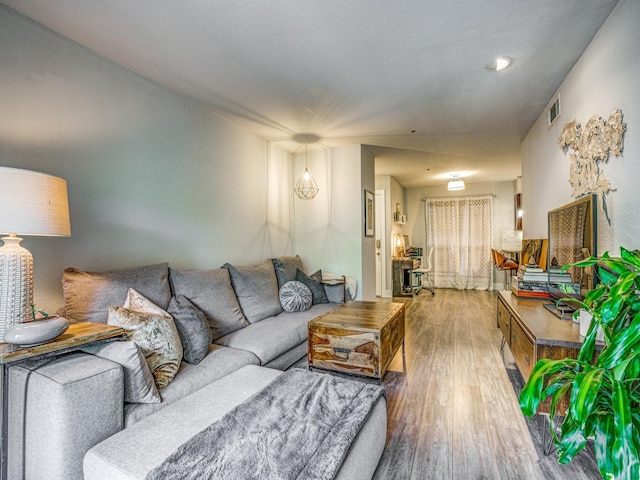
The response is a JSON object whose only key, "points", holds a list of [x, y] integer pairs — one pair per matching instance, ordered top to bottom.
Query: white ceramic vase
{"points": [[585, 321], [37, 332]]}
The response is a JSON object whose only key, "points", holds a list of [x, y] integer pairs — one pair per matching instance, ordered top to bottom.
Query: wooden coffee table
{"points": [[357, 338]]}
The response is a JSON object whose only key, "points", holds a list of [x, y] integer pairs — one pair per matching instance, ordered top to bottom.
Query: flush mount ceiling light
{"points": [[500, 63], [455, 183]]}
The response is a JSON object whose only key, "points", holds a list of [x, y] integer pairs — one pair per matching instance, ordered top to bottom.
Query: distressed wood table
{"points": [[77, 336], [357, 338]]}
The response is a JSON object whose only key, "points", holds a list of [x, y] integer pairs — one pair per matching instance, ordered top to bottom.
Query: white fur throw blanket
{"points": [[298, 427]]}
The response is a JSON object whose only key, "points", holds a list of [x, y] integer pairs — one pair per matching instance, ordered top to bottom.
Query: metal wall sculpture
{"points": [[591, 146]]}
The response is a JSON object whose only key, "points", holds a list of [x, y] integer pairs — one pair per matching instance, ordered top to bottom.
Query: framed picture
{"points": [[369, 208]]}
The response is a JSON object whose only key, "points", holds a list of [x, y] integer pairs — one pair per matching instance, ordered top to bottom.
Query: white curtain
{"points": [[460, 230]]}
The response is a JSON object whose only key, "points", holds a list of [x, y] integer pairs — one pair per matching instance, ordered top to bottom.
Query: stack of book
{"points": [[527, 273], [556, 275], [531, 282]]}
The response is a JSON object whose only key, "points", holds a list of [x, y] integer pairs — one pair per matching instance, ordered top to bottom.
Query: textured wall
{"points": [[604, 79]]}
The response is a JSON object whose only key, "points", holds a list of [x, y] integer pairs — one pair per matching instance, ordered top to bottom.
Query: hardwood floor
{"points": [[454, 413]]}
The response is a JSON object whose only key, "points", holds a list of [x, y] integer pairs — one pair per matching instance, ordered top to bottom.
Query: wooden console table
{"points": [[532, 333], [77, 336], [358, 338]]}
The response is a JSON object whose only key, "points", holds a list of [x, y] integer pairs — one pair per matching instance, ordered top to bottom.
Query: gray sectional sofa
{"points": [[99, 401]]}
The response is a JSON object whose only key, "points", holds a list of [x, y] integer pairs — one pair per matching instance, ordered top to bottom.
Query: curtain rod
{"points": [[424, 199]]}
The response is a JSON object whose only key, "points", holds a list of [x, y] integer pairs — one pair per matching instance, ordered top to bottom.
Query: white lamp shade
{"points": [[33, 203]]}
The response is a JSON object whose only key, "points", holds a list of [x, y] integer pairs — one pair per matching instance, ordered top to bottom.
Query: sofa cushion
{"points": [[286, 267], [313, 282], [257, 290], [212, 293], [88, 295], [295, 297], [193, 328], [154, 330], [274, 336], [219, 363], [139, 385], [134, 451]]}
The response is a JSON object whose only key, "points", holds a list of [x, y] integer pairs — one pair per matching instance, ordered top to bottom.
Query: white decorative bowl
{"points": [[35, 333]]}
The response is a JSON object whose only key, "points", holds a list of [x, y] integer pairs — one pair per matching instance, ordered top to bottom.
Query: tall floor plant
{"points": [[602, 384]]}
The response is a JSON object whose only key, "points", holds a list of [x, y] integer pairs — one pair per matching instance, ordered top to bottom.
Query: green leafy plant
{"points": [[37, 314], [602, 384]]}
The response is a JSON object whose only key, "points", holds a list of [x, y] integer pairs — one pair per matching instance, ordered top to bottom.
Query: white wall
{"points": [[604, 79], [152, 176], [394, 194], [503, 210], [329, 230]]}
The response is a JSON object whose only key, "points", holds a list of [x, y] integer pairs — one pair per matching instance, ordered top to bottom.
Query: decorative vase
{"points": [[585, 319], [37, 332]]}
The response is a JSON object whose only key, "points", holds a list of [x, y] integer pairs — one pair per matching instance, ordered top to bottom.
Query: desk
{"points": [[402, 267], [78, 335]]}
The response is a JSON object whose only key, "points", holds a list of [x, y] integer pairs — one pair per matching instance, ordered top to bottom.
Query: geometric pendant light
{"points": [[306, 187]]}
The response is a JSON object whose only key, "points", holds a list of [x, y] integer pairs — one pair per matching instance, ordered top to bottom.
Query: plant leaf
{"points": [[630, 257], [621, 345], [533, 391], [583, 394], [572, 440], [602, 444], [625, 453]]}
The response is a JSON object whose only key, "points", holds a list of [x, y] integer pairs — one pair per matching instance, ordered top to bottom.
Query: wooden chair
{"points": [[506, 264]]}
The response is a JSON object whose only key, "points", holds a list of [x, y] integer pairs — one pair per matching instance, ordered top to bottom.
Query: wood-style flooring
{"points": [[454, 413]]}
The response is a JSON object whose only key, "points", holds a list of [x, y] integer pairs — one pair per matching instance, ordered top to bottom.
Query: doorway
{"points": [[381, 244]]}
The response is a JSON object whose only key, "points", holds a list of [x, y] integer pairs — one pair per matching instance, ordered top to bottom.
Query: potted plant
{"points": [[603, 383]]}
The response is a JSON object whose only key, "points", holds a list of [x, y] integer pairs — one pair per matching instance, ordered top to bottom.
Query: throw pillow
{"points": [[286, 268], [313, 283], [257, 290], [211, 292], [88, 295], [295, 297], [193, 329], [154, 330], [139, 385]]}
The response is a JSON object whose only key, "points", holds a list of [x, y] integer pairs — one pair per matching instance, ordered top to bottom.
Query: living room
{"points": [[154, 176]]}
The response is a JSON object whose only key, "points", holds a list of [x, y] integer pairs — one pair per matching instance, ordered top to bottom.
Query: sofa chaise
{"points": [[128, 409]]}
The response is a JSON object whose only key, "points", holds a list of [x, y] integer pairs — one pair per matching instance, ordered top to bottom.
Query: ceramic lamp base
{"points": [[16, 283]]}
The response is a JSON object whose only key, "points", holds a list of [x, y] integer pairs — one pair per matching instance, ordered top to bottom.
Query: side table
{"points": [[77, 336]]}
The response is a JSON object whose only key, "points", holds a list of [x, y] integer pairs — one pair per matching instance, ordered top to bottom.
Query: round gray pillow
{"points": [[295, 296]]}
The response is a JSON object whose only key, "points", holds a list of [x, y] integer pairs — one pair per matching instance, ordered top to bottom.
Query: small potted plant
{"points": [[603, 383]]}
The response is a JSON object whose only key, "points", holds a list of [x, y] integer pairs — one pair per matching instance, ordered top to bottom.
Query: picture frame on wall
{"points": [[369, 209]]}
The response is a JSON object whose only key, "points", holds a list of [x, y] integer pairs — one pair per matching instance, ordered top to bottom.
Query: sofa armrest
{"points": [[58, 409]]}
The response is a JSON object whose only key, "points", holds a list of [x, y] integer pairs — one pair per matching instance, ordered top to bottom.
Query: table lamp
{"points": [[32, 203]]}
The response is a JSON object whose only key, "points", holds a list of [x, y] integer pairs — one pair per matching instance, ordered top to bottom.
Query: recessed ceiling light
{"points": [[500, 63]]}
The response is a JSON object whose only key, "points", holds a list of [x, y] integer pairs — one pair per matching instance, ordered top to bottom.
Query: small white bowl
{"points": [[37, 332]]}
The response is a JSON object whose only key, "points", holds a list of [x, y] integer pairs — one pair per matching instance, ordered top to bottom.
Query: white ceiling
{"points": [[406, 77]]}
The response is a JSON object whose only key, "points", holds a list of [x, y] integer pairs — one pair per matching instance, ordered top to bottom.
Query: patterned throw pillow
{"points": [[295, 297], [154, 330]]}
